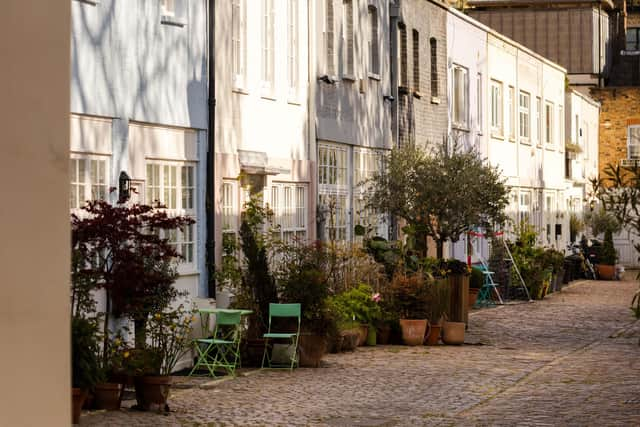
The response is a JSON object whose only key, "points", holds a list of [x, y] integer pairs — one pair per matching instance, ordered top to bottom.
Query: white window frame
{"points": [[329, 38], [348, 41], [373, 41], [239, 43], [268, 47], [293, 49], [460, 96], [479, 103], [497, 109], [511, 109], [524, 117], [549, 125], [539, 133], [561, 134], [633, 148], [366, 163], [86, 184], [333, 186], [289, 205], [524, 208], [550, 208], [230, 215], [184, 240]]}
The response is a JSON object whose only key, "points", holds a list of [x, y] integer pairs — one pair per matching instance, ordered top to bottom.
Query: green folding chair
{"points": [[282, 310], [222, 350]]}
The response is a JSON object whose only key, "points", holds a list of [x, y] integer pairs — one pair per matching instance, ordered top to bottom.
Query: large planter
{"points": [[606, 272], [473, 297], [459, 307], [363, 331], [413, 331], [453, 333], [384, 334], [433, 334], [371, 336], [349, 340], [311, 350], [153, 390], [107, 396], [77, 399]]}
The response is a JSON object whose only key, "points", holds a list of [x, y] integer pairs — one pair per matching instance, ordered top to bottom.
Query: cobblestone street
{"points": [[571, 359]]}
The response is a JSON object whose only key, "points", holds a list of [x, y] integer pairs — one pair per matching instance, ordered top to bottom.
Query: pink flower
{"points": [[376, 297]]}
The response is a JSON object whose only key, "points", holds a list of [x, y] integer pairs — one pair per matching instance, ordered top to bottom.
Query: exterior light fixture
{"points": [[124, 188]]}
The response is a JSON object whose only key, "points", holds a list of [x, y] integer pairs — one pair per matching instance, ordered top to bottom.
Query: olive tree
{"points": [[440, 194]]}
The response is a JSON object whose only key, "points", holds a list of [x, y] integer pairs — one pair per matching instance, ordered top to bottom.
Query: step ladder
{"points": [[515, 266], [489, 287]]}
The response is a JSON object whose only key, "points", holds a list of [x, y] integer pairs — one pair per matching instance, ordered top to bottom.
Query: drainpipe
{"points": [[394, 14], [599, 45], [210, 215]]}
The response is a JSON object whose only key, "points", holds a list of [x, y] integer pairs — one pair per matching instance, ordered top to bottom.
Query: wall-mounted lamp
{"points": [[327, 79], [388, 98], [124, 187]]}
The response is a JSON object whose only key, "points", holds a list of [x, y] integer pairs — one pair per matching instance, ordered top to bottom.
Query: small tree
{"points": [[442, 195]]}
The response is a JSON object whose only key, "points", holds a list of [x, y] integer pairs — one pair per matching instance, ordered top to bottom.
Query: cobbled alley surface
{"points": [[571, 359]]}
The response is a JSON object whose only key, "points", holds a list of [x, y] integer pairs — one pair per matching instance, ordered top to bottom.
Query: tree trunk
{"points": [[421, 243], [439, 248], [105, 329]]}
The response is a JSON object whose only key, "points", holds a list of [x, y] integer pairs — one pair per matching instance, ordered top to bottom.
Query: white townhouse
{"points": [[139, 107], [350, 110], [264, 146]]}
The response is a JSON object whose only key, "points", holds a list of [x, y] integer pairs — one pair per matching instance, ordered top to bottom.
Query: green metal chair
{"points": [[489, 288], [282, 310], [222, 350]]}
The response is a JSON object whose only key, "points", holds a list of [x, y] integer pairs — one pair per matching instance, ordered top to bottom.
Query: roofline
{"points": [[498, 3], [504, 38], [585, 97]]}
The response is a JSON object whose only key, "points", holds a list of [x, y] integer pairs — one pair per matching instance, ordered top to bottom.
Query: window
{"points": [[168, 7], [268, 15], [329, 35], [239, 36], [633, 39], [348, 41], [292, 48], [374, 54], [402, 60], [416, 60], [434, 67], [460, 96], [479, 102], [496, 108], [511, 109], [524, 116], [539, 121], [548, 123], [561, 126], [633, 142], [367, 162], [89, 177], [172, 186], [333, 191], [288, 202], [525, 207], [229, 209], [549, 214]]}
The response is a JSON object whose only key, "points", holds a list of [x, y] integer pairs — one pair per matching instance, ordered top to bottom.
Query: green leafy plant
{"points": [[600, 221], [576, 225], [608, 254], [477, 278], [410, 293], [360, 304], [169, 335], [85, 364]]}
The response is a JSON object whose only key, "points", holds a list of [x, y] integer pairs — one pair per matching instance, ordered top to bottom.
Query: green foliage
{"points": [[442, 195], [600, 221], [576, 225], [608, 253], [554, 260], [477, 278], [410, 293], [438, 300], [636, 300], [358, 304], [169, 335], [85, 364]]}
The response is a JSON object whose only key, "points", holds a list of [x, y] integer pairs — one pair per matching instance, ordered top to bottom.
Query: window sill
{"points": [[172, 21], [374, 76], [349, 77], [240, 90], [417, 94], [268, 95], [294, 100], [435, 100], [460, 127], [497, 135], [512, 139], [525, 141], [550, 148], [188, 270]]}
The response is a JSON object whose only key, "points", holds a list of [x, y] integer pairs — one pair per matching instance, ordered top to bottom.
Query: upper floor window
{"points": [[168, 7], [329, 34], [268, 35], [347, 37], [633, 39], [239, 40], [292, 48], [374, 53], [402, 58], [416, 60], [434, 67], [460, 93], [479, 102], [496, 107], [511, 109], [524, 116], [538, 121], [548, 123], [561, 127], [633, 142], [89, 177], [289, 203], [229, 209]]}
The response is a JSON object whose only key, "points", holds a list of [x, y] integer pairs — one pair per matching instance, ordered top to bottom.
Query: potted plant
{"points": [[606, 266], [476, 281], [410, 295], [361, 305], [438, 305], [170, 336], [84, 361]]}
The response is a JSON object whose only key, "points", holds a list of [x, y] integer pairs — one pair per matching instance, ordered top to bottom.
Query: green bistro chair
{"points": [[282, 310], [222, 350]]}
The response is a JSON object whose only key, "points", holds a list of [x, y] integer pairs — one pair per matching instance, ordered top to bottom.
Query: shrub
{"points": [[608, 253], [359, 304]]}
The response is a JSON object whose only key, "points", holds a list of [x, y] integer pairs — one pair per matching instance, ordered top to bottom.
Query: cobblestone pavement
{"points": [[571, 359]]}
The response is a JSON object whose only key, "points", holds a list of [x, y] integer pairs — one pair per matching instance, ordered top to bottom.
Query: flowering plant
{"points": [[359, 303], [169, 334]]}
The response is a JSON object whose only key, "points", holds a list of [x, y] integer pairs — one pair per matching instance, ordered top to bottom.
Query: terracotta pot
{"points": [[606, 272], [473, 297], [363, 331], [413, 331], [384, 333], [453, 333], [433, 334], [371, 336], [349, 340], [334, 344], [311, 350], [153, 390], [78, 396], [107, 396]]}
